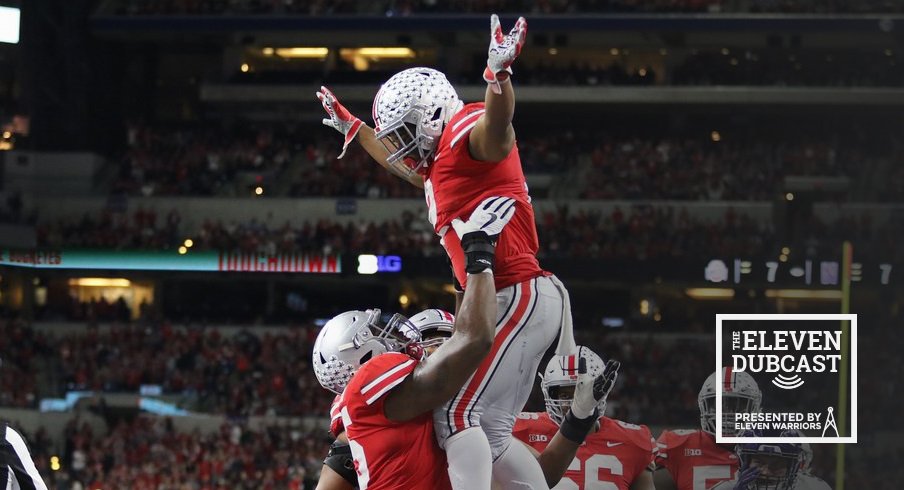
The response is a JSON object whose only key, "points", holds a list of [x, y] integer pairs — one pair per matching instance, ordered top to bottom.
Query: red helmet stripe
{"points": [[728, 374]]}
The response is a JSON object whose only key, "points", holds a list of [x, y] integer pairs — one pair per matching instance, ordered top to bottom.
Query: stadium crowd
{"points": [[411, 7], [874, 67], [707, 164], [641, 232], [241, 375], [148, 452]]}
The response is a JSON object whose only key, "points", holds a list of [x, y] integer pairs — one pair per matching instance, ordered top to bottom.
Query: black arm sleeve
{"points": [[340, 460]]}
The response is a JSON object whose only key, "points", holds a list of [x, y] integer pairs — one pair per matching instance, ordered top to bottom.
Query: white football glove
{"points": [[503, 51], [340, 119], [490, 217], [478, 235], [591, 393]]}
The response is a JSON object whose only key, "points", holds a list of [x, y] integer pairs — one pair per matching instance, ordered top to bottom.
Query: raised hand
{"points": [[503, 51], [339, 118]]}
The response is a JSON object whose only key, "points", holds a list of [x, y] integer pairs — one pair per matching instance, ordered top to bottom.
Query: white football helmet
{"points": [[410, 111], [434, 325], [352, 338], [562, 371], [740, 393], [806, 458]]}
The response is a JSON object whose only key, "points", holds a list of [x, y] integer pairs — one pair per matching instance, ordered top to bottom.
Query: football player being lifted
{"points": [[460, 154], [616, 454], [691, 459]]}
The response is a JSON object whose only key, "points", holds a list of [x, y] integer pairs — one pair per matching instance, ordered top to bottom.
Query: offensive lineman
{"points": [[460, 154], [615, 453], [691, 459], [338, 471]]}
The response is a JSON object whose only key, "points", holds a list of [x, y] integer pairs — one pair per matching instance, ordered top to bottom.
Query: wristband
{"points": [[480, 252], [575, 429]]}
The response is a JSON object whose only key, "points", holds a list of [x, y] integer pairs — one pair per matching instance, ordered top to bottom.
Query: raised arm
{"points": [[351, 127], [493, 136], [441, 376], [587, 406]]}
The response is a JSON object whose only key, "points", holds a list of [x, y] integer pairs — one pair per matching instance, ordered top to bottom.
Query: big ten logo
{"points": [[371, 264], [537, 438], [693, 452]]}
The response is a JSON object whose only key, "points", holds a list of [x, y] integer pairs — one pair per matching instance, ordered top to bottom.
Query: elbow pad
{"points": [[340, 460]]}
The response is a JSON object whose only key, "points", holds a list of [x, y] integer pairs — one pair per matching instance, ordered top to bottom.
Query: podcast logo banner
{"points": [[805, 365]]}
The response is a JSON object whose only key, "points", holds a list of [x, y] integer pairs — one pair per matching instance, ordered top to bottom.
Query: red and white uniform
{"points": [[455, 184], [530, 301], [336, 427], [617, 454], [389, 455], [694, 459]]}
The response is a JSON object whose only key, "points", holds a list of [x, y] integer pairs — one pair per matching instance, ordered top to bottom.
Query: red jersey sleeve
{"points": [[373, 381], [336, 426], [665, 449]]}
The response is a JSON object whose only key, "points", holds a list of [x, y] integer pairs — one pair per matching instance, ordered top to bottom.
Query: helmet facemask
{"points": [[410, 148], [436, 327], [396, 334], [739, 395], [558, 399], [732, 403], [778, 467]]}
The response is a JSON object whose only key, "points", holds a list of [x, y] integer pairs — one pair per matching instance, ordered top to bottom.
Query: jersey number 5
{"points": [[591, 473], [706, 477]]}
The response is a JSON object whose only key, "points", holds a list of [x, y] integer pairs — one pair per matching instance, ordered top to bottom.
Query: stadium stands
{"points": [[320, 7]]}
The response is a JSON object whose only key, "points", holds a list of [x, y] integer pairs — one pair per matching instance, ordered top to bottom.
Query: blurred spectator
{"points": [[410, 7], [296, 161], [641, 232], [149, 453]]}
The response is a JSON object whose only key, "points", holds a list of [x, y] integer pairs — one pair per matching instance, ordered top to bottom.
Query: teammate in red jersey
{"points": [[461, 154], [615, 455], [691, 459], [338, 471]]}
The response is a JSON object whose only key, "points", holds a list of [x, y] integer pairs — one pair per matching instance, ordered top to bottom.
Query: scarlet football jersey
{"points": [[456, 183], [336, 427], [617, 453], [389, 455], [694, 459]]}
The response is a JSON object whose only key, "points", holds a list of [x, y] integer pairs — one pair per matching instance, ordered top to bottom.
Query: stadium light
{"points": [[9, 25], [299, 52], [385, 52], [189, 243], [183, 250], [100, 282], [710, 293], [820, 294], [403, 300]]}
